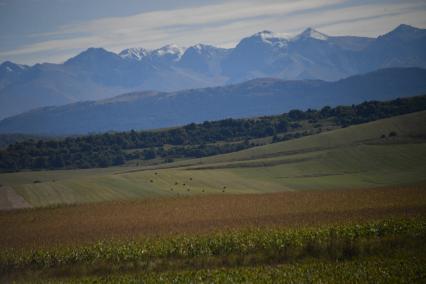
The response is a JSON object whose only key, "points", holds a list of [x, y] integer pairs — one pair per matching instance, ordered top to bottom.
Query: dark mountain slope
{"points": [[148, 110]]}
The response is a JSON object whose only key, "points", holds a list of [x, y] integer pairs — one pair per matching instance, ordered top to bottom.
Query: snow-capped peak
{"points": [[311, 33], [268, 37], [200, 48], [170, 49], [136, 53], [11, 67]]}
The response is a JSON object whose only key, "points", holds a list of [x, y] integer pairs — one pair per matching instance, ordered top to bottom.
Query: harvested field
{"points": [[77, 224]]}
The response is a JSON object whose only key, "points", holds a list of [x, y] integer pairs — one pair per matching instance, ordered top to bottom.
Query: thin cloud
{"points": [[224, 24], [152, 29]]}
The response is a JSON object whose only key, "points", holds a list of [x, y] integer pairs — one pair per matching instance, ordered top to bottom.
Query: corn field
{"points": [[239, 255]]}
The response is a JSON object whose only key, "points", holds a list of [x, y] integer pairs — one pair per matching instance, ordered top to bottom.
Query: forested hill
{"points": [[194, 140]]}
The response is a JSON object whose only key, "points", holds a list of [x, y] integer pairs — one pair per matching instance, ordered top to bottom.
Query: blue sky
{"points": [[33, 31]]}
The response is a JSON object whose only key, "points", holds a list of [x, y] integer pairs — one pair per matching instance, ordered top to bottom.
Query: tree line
{"points": [[192, 140]]}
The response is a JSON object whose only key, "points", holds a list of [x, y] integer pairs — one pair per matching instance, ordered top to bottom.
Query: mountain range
{"points": [[97, 74], [152, 109]]}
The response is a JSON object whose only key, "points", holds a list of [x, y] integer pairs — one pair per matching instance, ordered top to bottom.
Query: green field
{"points": [[352, 157]]}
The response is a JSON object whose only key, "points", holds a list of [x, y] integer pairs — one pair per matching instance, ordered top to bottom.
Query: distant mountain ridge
{"points": [[97, 73], [148, 110]]}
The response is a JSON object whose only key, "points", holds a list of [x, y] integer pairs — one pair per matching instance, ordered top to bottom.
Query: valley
{"points": [[132, 153]]}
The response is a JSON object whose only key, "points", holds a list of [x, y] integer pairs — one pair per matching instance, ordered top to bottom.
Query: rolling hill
{"points": [[352, 157]]}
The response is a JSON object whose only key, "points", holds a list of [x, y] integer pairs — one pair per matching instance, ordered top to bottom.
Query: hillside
{"points": [[149, 110], [406, 126], [192, 140], [352, 157]]}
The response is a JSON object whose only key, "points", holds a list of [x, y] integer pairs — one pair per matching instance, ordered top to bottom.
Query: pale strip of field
{"points": [[10, 200]]}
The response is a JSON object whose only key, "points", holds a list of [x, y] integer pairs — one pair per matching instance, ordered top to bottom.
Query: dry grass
{"points": [[128, 220]]}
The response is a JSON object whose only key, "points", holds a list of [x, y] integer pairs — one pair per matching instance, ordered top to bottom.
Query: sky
{"points": [[36, 31]]}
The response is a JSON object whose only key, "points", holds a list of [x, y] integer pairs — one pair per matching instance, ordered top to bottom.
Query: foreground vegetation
{"points": [[194, 140], [226, 257], [397, 268]]}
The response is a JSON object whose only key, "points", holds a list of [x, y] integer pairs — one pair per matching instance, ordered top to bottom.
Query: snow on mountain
{"points": [[311, 33], [266, 38], [271, 38], [201, 48], [170, 50], [205, 50], [136, 53], [254, 56], [203, 59], [12, 67], [10, 72]]}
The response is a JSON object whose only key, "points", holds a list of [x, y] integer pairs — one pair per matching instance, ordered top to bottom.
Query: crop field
{"points": [[353, 157], [127, 220], [345, 236], [343, 253], [368, 270]]}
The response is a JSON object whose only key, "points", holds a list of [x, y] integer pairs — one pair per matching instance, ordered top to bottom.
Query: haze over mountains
{"points": [[99, 74], [147, 110]]}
